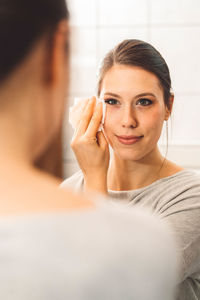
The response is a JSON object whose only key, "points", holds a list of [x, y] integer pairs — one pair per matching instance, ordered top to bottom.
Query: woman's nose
{"points": [[128, 119]]}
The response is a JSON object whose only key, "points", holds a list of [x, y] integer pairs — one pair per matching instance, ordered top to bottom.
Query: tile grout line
{"points": [[148, 3]]}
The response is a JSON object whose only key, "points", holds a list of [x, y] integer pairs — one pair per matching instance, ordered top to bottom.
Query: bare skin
{"points": [[30, 116], [91, 148], [133, 165], [138, 176], [26, 191]]}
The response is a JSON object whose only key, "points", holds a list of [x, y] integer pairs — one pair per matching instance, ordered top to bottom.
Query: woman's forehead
{"points": [[122, 79]]}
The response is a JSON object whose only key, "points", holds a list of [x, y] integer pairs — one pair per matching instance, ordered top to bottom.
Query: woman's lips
{"points": [[128, 139]]}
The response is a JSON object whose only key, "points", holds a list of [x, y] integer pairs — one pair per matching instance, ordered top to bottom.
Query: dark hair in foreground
{"points": [[22, 23], [141, 54]]}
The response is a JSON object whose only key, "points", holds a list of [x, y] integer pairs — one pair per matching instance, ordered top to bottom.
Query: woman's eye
{"points": [[111, 101], [144, 102]]}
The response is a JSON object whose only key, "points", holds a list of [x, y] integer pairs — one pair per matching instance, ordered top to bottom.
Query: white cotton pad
{"points": [[76, 110], [104, 111]]}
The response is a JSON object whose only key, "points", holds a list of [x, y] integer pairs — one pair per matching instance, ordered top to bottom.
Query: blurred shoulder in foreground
{"points": [[107, 253]]}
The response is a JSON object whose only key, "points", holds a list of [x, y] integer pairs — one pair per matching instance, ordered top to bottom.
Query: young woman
{"points": [[135, 85], [51, 240]]}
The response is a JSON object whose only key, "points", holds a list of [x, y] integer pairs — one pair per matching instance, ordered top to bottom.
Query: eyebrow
{"points": [[137, 96]]}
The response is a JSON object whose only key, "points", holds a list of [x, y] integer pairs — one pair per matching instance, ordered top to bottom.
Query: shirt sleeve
{"points": [[75, 182], [183, 215]]}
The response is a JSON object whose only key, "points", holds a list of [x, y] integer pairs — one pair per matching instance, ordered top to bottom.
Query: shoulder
{"points": [[187, 176], [76, 181], [185, 181], [184, 184], [180, 191], [42, 193], [176, 199], [180, 207], [80, 252]]}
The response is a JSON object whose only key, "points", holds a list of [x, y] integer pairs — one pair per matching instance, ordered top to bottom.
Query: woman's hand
{"points": [[91, 147]]}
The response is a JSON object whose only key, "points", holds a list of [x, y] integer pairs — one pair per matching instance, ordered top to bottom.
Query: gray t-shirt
{"points": [[177, 200], [86, 255]]}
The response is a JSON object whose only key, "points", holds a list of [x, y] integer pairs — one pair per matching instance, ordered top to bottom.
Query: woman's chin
{"points": [[128, 155]]}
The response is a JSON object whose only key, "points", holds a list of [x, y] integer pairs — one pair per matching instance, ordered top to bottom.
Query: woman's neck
{"points": [[13, 140], [131, 175]]}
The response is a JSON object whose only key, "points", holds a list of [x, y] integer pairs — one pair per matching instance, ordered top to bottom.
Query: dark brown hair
{"points": [[22, 22], [141, 54]]}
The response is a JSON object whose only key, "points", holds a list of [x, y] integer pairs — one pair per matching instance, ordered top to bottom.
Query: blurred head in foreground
{"points": [[33, 71]]}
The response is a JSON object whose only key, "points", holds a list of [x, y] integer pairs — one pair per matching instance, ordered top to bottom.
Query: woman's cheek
{"points": [[110, 123], [154, 124], [106, 127], [109, 128]]}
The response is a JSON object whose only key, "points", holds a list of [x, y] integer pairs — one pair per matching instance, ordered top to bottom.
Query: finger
{"points": [[82, 107], [76, 111], [86, 117], [95, 121], [102, 142]]}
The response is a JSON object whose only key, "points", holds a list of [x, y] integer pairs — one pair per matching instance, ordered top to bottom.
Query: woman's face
{"points": [[135, 111]]}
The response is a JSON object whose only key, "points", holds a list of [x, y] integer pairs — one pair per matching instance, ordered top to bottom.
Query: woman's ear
{"points": [[59, 55], [169, 108]]}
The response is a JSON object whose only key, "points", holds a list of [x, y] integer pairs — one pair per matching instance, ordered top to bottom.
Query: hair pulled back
{"points": [[22, 22], [141, 54]]}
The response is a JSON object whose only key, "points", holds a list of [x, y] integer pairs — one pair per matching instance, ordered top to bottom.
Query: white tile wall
{"points": [[82, 12], [176, 12], [119, 13], [173, 27], [111, 36], [83, 42], [180, 46], [83, 61], [83, 78], [186, 121], [184, 125], [181, 154]]}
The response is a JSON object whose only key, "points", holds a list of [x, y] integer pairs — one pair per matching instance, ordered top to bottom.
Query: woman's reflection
{"points": [[135, 85]]}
